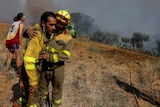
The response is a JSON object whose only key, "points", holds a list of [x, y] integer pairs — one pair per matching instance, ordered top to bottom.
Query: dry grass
{"points": [[98, 75], [104, 76]]}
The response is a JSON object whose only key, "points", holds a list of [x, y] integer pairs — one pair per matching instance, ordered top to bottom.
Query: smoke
{"points": [[36, 8], [9, 9], [32, 9], [121, 16]]}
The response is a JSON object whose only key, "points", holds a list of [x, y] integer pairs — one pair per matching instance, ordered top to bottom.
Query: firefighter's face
{"points": [[50, 25], [59, 25]]}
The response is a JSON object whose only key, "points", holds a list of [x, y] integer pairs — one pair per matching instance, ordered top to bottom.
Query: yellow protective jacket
{"points": [[58, 48], [31, 55]]}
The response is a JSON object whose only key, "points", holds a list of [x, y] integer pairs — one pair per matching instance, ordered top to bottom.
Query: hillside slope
{"points": [[98, 75], [104, 76]]}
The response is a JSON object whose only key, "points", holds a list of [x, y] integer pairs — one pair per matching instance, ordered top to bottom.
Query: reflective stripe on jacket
{"points": [[59, 49]]}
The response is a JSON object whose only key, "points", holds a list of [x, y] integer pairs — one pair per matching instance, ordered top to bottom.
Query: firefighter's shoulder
{"points": [[66, 37]]}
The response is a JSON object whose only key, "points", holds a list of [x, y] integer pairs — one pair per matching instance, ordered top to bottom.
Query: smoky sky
{"points": [[36, 8], [9, 9], [32, 9], [121, 16]]}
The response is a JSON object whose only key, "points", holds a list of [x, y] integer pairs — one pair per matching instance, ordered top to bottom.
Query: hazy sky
{"points": [[121, 16]]}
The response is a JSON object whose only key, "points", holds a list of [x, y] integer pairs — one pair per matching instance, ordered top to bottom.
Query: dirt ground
{"points": [[98, 75]]}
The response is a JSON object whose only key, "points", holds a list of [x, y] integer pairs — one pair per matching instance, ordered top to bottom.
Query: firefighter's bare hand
{"points": [[31, 33], [43, 56], [32, 88]]}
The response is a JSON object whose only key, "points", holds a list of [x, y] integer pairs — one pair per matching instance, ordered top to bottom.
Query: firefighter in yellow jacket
{"points": [[51, 46], [57, 51], [29, 74]]}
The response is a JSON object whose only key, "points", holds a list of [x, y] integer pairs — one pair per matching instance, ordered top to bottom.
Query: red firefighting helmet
{"points": [[63, 16]]}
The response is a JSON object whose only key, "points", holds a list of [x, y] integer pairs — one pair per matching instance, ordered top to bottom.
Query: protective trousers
{"points": [[56, 77], [26, 98]]}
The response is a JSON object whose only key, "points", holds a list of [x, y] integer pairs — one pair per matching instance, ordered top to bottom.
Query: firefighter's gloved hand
{"points": [[56, 45], [43, 51], [32, 88]]}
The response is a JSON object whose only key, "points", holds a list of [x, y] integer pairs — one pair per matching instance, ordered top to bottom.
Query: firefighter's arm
{"points": [[31, 32], [63, 55], [30, 57]]}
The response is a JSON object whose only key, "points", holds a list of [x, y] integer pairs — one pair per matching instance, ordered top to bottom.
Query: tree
{"points": [[82, 22], [98, 36], [107, 38], [111, 38], [137, 39], [125, 40], [158, 46], [156, 50]]}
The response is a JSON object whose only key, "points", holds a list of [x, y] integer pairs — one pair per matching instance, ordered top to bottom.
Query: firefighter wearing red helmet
{"points": [[63, 16], [63, 19]]}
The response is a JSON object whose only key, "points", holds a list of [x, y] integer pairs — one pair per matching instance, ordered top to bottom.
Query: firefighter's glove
{"points": [[56, 45], [43, 51]]}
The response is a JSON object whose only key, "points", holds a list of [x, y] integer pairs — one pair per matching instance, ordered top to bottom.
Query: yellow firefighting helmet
{"points": [[63, 16]]}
